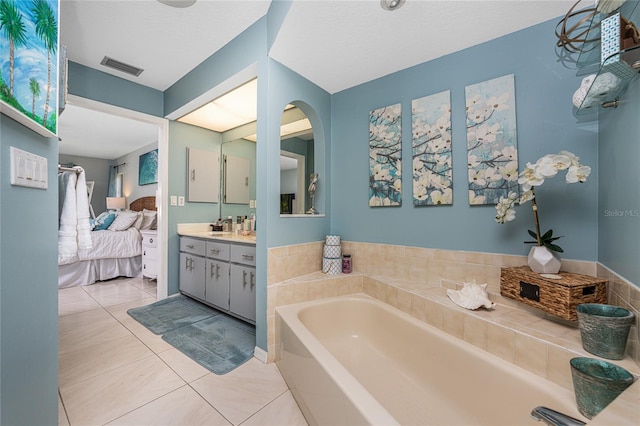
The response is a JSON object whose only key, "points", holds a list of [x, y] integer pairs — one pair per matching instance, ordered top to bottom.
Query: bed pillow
{"points": [[149, 219], [103, 221], [123, 221], [138, 222]]}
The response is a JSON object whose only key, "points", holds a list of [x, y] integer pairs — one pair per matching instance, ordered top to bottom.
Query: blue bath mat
{"points": [[172, 313], [220, 343]]}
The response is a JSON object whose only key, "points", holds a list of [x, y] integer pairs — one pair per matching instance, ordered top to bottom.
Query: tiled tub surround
{"points": [[414, 280]]}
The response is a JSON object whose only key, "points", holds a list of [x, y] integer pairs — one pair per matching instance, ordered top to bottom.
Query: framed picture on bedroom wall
{"points": [[29, 47], [148, 168]]}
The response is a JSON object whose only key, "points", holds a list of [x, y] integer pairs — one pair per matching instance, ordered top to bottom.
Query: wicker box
{"points": [[558, 297]]}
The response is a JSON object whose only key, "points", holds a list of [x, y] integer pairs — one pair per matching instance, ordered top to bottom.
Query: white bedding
{"points": [[109, 245]]}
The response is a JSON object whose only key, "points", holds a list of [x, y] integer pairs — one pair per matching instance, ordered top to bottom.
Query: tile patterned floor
{"points": [[112, 370]]}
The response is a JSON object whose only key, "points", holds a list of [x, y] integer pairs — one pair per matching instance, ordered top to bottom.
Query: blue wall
{"points": [[97, 85], [545, 124], [182, 136], [619, 187], [28, 286]]}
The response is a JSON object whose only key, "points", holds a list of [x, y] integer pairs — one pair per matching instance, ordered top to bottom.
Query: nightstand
{"points": [[149, 254]]}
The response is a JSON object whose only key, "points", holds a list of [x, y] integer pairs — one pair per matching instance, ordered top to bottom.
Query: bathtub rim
{"points": [[359, 397]]}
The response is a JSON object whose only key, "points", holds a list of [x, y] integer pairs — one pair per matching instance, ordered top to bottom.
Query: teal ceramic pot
{"points": [[604, 329], [596, 383]]}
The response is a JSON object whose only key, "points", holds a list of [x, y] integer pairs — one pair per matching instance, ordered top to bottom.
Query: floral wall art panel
{"points": [[29, 63], [431, 143], [492, 149], [385, 156]]}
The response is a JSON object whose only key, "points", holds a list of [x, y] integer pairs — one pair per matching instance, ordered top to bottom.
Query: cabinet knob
{"points": [[151, 240]]}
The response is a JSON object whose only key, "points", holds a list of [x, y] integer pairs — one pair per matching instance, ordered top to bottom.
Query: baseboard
{"points": [[261, 354]]}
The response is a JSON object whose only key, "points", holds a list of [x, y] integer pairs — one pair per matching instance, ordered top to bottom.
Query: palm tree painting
{"points": [[29, 62]]}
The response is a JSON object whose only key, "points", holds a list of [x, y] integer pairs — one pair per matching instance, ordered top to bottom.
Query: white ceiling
{"points": [[335, 44], [90, 133]]}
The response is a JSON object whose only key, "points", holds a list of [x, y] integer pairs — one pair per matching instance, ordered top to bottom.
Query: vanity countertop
{"points": [[201, 230]]}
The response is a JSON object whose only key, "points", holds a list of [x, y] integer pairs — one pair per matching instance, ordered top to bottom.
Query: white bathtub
{"points": [[355, 360]]}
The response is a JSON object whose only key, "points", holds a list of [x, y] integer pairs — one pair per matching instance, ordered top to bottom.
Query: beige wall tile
{"points": [[404, 301], [418, 308], [434, 314], [453, 322], [475, 331], [501, 342], [531, 354], [558, 367]]}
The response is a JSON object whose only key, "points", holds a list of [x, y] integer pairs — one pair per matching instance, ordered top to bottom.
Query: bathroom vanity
{"points": [[219, 269]]}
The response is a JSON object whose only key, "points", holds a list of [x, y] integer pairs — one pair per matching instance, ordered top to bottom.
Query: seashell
{"points": [[471, 296]]}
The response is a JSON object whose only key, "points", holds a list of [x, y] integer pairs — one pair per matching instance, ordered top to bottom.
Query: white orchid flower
{"points": [[545, 168], [578, 174]]}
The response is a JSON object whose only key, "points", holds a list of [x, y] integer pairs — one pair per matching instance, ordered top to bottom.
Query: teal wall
{"points": [[97, 85], [545, 124], [182, 136], [619, 187], [28, 286]]}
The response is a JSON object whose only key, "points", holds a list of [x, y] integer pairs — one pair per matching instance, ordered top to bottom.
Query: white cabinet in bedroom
{"points": [[149, 254]]}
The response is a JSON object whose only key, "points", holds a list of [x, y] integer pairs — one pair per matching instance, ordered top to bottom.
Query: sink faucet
{"points": [[554, 418]]}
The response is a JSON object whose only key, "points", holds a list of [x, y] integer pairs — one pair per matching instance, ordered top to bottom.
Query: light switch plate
{"points": [[28, 169], [173, 200], [180, 201], [252, 204]]}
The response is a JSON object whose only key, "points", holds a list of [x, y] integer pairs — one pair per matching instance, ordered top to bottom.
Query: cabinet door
{"points": [[204, 176], [236, 180], [192, 275], [217, 283], [243, 291]]}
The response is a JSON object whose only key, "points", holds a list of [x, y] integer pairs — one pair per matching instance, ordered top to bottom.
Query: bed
{"points": [[115, 252]]}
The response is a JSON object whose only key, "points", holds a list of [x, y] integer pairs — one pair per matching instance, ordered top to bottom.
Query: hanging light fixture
{"points": [[178, 3], [391, 4]]}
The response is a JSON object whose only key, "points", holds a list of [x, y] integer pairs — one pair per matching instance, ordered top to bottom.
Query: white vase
{"points": [[544, 261]]}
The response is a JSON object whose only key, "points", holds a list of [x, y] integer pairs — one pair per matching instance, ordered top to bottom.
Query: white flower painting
{"points": [[491, 140], [431, 143], [385, 156]]}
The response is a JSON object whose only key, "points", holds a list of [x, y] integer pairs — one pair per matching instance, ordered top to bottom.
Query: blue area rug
{"points": [[172, 313], [213, 339], [220, 343]]}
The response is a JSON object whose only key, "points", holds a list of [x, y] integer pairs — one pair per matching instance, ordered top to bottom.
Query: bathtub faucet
{"points": [[554, 418]]}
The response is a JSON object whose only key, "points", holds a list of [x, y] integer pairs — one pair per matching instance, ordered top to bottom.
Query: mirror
{"points": [[296, 162], [239, 167]]}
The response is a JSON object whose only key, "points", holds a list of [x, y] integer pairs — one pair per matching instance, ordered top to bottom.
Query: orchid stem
{"points": [[535, 218]]}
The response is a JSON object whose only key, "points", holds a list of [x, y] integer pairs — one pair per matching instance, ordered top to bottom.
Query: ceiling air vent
{"points": [[121, 66]]}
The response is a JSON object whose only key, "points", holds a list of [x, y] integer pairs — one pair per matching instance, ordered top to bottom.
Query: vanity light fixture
{"points": [[178, 3], [391, 4]]}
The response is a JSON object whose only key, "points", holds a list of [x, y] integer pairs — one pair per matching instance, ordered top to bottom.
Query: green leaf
{"points": [[533, 234], [547, 235], [530, 242], [554, 247]]}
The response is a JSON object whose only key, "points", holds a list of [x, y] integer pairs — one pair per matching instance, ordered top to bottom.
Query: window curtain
{"points": [[115, 181]]}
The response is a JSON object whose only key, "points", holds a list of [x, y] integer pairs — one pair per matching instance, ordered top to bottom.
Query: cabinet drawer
{"points": [[149, 239], [191, 245], [218, 250], [148, 253], [245, 255], [149, 268]]}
